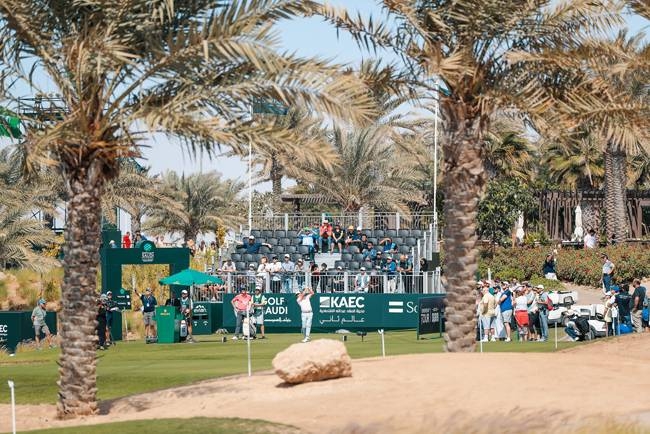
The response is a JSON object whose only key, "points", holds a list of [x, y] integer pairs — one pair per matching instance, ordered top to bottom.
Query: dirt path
{"points": [[417, 393]]}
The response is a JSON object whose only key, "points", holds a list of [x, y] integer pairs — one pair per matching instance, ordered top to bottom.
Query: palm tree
{"points": [[477, 49], [186, 68], [508, 153], [368, 172], [206, 199]]}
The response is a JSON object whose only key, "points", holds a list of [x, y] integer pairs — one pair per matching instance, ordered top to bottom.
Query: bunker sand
{"points": [[557, 392]]}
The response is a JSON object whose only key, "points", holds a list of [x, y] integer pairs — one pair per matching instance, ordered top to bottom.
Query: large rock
{"points": [[319, 360]]}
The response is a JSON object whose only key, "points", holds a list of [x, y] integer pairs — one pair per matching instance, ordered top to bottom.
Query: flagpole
{"points": [[435, 155], [250, 182]]}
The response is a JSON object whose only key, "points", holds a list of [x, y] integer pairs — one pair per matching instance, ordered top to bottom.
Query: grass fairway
{"points": [[133, 367], [194, 425]]}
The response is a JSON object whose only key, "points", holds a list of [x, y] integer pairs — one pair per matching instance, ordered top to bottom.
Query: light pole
{"points": [[435, 166], [250, 182]]}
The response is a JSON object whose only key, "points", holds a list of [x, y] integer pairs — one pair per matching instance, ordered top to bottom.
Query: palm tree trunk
{"points": [[276, 177], [465, 180], [616, 223], [77, 363]]}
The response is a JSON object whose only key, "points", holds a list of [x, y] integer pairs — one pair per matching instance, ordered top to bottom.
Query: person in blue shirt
{"points": [[307, 239], [389, 245], [252, 246], [370, 253], [391, 271], [505, 304]]}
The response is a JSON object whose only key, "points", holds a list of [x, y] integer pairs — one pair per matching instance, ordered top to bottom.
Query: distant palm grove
{"points": [[531, 96]]}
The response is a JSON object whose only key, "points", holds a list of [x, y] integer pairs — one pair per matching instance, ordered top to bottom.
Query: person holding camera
{"points": [[149, 304], [111, 306], [186, 311]]}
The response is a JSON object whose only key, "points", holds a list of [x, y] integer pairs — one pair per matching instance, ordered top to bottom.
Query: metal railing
{"points": [[367, 220], [345, 282]]}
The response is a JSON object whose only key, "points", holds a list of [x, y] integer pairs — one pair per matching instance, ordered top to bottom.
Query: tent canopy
{"points": [[190, 277]]}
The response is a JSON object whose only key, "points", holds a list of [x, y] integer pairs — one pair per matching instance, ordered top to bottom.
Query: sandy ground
{"points": [[506, 392]]}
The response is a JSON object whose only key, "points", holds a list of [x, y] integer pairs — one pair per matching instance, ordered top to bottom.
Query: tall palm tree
{"points": [[471, 47], [186, 68], [508, 153], [206, 201]]}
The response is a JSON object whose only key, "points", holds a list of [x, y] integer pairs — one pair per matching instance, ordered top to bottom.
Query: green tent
{"points": [[190, 277]]}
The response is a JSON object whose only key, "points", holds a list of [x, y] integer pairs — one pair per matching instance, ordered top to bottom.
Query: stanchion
{"points": [[480, 333], [556, 336], [248, 341], [383, 343], [13, 406]]}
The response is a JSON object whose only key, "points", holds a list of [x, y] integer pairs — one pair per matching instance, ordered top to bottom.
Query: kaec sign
{"points": [[335, 311], [431, 315]]}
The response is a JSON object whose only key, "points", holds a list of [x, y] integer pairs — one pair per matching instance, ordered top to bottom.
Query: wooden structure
{"points": [[557, 211]]}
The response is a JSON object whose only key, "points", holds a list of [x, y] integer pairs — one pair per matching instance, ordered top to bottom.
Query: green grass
{"points": [[133, 367], [194, 425]]}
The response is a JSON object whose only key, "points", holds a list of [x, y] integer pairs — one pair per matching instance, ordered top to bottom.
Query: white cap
{"points": [[362, 269], [540, 287], [184, 291]]}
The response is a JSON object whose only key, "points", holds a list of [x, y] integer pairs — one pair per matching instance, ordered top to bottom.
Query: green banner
{"points": [[338, 311]]}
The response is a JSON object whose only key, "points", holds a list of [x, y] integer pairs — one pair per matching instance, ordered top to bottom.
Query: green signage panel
{"points": [[336, 311], [16, 327]]}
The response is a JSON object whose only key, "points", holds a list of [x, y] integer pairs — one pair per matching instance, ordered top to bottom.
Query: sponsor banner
{"points": [[336, 311]]}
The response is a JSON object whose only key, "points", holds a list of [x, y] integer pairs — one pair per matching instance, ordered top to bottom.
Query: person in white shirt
{"points": [[590, 239], [362, 281], [306, 314]]}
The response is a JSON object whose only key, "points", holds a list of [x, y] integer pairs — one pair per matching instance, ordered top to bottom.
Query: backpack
{"points": [[549, 303]]}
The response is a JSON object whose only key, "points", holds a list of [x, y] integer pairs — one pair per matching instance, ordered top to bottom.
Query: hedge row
{"points": [[582, 267]]}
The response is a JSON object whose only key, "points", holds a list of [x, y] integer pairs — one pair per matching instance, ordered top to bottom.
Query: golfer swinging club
{"points": [[306, 313]]}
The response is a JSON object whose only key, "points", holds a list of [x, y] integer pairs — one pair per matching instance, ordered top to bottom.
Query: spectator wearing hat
{"points": [[325, 235], [307, 239], [337, 239], [252, 247], [379, 260], [390, 268], [288, 270], [275, 271], [608, 271], [338, 280], [362, 281], [543, 301], [241, 303], [624, 303], [149, 304], [259, 304], [611, 310], [186, 311], [533, 312], [487, 313], [521, 313], [38, 321]]}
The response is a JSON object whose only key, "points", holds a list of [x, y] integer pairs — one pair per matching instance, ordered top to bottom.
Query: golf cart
{"points": [[562, 302], [596, 317]]}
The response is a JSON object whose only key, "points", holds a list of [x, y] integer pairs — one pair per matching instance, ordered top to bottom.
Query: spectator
{"points": [[325, 233], [349, 236], [307, 239], [337, 239], [357, 239], [126, 240], [590, 240], [160, 242], [363, 243], [112, 245], [388, 245], [252, 246], [202, 249], [370, 252], [379, 259], [424, 265], [228, 266], [390, 268], [548, 268], [288, 269], [299, 270], [405, 270], [275, 271], [608, 271], [263, 273], [315, 275], [325, 278], [253, 280], [338, 280], [362, 281], [376, 281], [638, 298], [304, 301], [543, 301], [241, 303], [259, 303], [624, 303], [505, 305], [111, 307], [186, 311], [611, 311], [148, 312], [533, 312], [487, 313], [521, 313], [38, 321], [101, 322], [577, 326]]}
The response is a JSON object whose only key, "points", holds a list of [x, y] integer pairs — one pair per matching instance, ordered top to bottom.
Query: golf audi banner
{"points": [[337, 311]]}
